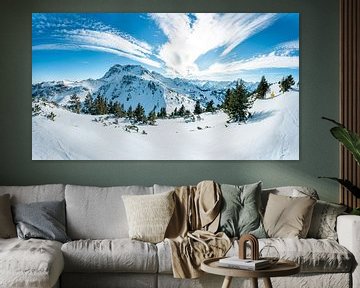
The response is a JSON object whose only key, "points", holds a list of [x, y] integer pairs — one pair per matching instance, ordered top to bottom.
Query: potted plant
{"points": [[351, 141]]}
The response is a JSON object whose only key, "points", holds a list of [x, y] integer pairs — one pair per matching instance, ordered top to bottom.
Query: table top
{"points": [[281, 268]]}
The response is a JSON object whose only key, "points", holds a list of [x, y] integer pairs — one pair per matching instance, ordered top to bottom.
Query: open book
{"points": [[236, 262]]}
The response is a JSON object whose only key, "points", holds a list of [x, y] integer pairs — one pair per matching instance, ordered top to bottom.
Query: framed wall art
{"points": [[165, 86]]}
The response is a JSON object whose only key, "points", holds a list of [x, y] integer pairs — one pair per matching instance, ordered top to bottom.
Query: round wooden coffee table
{"points": [[281, 268]]}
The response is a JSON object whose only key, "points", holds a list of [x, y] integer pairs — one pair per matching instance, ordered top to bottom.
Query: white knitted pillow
{"points": [[149, 215]]}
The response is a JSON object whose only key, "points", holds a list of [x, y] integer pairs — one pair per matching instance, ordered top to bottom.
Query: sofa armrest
{"points": [[348, 230]]}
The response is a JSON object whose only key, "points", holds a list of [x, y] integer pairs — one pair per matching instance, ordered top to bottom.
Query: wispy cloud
{"points": [[95, 36], [190, 37], [232, 69]]}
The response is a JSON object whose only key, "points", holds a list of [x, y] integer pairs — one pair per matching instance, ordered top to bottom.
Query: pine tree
{"points": [[286, 83], [262, 88], [226, 103], [237, 103], [74, 104], [88, 104], [100, 106], [210, 106], [197, 109], [118, 110], [181, 111], [130, 113], [162, 113], [139, 114], [151, 119]]}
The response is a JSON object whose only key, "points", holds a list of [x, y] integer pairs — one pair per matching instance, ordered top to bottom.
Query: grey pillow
{"points": [[240, 213], [44, 220], [323, 222], [7, 227]]}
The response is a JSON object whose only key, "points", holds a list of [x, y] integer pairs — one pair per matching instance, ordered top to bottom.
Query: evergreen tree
{"points": [[286, 83], [262, 88], [226, 103], [237, 103], [74, 104], [88, 104], [100, 106], [210, 106], [110, 107], [197, 109], [118, 110], [181, 111], [130, 113], [162, 113], [174, 113], [139, 114], [152, 118]]}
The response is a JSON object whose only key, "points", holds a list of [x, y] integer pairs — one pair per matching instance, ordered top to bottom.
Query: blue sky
{"points": [[206, 46]]}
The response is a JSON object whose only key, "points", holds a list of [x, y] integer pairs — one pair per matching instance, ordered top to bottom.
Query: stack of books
{"points": [[248, 264]]}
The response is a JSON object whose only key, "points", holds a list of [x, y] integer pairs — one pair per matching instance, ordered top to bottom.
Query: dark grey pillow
{"points": [[240, 213], [44, 220]]}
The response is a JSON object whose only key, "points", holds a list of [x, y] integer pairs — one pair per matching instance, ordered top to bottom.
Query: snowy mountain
{"points": [[133, 84]]}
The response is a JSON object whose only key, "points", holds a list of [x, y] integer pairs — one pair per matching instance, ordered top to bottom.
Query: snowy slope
{"points": [[271, 134]]}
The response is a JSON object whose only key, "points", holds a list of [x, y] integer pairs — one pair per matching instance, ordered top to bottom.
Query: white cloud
{"points": [[93, 36], [188, 40], [233, 69]]}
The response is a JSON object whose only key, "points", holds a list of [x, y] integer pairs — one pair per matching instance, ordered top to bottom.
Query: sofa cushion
{"points": [[291, 191], [34, 193], [240, 210], [98, 213], [149, 215], [287, 216], [43, 220], [323, 222], [7, 226], [117, 255], [313, 255], [30, 263]]}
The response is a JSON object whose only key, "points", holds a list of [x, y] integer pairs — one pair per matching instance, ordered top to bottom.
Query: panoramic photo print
{"points": [[165, 86]]}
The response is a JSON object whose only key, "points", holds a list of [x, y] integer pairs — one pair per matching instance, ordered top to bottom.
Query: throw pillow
{"points": [[240, 213], [149, 215], [288, 217], [44, 220], [323, 222], [7, 227]]}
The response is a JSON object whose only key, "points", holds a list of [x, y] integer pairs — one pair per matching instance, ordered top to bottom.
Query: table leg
{"points": [[227, 282], [254, 282], [267, 283]]}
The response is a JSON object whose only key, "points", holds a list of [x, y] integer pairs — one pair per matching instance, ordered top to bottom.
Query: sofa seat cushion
{"points": [[115, 255], [313, 255], [30, 263]]}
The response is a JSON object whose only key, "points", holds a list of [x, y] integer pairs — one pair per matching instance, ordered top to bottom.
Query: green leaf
{"points": [[349, 139], [347, 184]]}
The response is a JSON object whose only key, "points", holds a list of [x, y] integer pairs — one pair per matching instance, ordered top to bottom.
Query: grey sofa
{"points": [[101, 254]]}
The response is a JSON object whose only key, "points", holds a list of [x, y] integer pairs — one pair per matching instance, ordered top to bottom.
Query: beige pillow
{"points": [[149, 215], [288, 217], [7, 226]]}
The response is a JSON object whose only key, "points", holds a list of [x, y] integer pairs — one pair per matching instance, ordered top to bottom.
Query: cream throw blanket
{"points": [[191, 231]]}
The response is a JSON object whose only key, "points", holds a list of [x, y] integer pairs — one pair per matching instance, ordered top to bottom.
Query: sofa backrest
{"points": [[35, 193], [98, 212]]}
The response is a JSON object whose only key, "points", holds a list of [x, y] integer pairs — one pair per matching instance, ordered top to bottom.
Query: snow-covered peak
{"points": [[118, 71]]}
